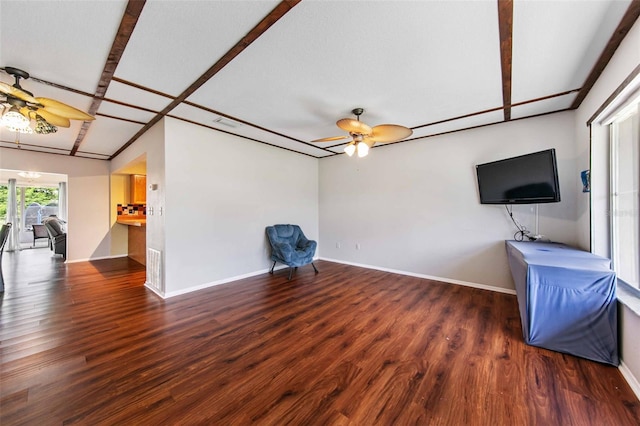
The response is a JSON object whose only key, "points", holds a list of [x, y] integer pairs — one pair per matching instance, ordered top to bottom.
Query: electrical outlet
{"points": [[338, 245], [357, 246]]}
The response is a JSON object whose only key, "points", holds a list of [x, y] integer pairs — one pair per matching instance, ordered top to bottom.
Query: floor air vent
{"points": [[154, 269]]}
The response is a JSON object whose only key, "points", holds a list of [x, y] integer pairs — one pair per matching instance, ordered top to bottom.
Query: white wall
{"points": [[626, 58], [150, 144], [222, 191], [414, 207], [119, 233], [88, 235]]}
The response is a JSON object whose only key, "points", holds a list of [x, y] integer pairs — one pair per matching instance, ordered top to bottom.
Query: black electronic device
{"points": [[526, 179]]}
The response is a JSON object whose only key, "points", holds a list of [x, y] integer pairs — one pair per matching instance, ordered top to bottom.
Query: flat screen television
{"points": [[526, 179]]}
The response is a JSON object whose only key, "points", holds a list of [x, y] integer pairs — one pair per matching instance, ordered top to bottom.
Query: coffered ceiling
{"points": [[282, 73]]}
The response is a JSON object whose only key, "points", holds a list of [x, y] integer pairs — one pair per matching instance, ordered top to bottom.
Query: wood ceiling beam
{"points": [[278, 12], [627, 21], [505, 23], [127, 25], [61, 86], [141, 87], [99, 98], [543, 98], [221, 114], [142, 123], [195, 123], [255, 126], [447, 132]]}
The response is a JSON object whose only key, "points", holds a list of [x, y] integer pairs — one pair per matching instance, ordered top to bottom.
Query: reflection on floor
{"points": [[38, 245], [31, 266]]}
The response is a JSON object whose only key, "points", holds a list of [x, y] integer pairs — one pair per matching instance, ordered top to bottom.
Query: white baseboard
{"points": [[91, 259], [394, 271], [428, 277], [214, 283], [155, 290], [630, 378]]}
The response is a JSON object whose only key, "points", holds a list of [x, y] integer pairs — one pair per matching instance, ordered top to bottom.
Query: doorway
{"points": [[38, 196]]}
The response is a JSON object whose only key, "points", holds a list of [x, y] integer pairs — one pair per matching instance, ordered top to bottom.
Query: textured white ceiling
{"points": [[61, 41], [176, 41], [556, 43], [405, 62], [131, 95]]}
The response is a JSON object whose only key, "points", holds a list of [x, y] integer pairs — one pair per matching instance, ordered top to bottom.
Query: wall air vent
{"points": [[227, 122], [154, 269]]}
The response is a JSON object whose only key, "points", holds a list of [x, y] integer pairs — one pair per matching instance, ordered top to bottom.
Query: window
{"points": [[4, 191], [625, 201]]}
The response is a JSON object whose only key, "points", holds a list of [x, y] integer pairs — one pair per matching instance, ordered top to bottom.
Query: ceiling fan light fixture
{"points": [[49, 114], [15, 121], [43, 127], [364, 137], [350, 149], [363, 149], [30, 175]]}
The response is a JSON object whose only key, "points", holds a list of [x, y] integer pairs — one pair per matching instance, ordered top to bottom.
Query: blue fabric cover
{"points": [[290, 246], [567, 299]]}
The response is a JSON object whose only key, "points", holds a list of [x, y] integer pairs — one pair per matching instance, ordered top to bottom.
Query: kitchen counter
{"points": [[133, 221], [137, 237]]}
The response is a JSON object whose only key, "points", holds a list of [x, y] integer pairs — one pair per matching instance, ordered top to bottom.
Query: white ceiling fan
{"points": [[20, 108], [364, 137]]}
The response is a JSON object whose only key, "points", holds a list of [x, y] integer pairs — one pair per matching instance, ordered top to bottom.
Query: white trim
{"points": [[626, 97], [91, 259], [428, 277], [214, 283], [153, 289], [628, 298], [630, 378]]}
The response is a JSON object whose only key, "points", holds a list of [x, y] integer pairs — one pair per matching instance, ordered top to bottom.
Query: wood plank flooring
{"points": [[86, 343]]}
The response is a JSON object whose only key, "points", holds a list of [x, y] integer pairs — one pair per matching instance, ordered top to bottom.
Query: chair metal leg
{"points": [[272, 266], [314, 267], [290, 272], [1, 276]]}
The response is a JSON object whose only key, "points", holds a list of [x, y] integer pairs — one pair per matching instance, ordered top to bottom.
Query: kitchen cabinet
{"points": [[138, 189]]}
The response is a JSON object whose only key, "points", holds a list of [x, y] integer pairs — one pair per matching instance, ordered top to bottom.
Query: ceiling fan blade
{"points": [[16, 93], [63, 110], [27, 112], [54, 119], [354, 126], [385, 133], [332, 138], [370, 141]]}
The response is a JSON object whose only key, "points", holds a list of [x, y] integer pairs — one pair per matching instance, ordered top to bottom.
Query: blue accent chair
{"points": [[291, 247]]}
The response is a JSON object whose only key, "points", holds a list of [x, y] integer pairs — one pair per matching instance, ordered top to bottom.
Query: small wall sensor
{"points": [[153, 186]]}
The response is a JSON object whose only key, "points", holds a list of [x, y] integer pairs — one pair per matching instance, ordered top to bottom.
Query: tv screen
{"points": [[526, 179]]}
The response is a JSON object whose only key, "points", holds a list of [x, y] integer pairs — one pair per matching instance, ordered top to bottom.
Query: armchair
{"points": [[39, 231], [4, 235], [57, 237], [290, 246]]}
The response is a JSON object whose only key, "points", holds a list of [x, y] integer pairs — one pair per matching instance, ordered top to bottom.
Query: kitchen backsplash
{"points": [[132, 209]]}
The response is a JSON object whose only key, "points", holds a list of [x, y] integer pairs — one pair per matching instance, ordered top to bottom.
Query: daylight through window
{"points": [[625, 202]]}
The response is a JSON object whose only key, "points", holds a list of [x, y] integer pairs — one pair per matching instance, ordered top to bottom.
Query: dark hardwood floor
{"points": [[86, 343]]}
